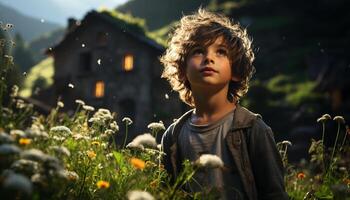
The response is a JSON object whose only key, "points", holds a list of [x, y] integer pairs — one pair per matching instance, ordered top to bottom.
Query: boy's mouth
{"points": [[207, 69]]}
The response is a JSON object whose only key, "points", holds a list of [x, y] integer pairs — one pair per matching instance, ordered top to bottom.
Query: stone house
{"points": [[110, 63]]}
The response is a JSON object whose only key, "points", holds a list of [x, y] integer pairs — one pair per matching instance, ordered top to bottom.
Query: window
{"points": [[128, 64], [99, 89]]}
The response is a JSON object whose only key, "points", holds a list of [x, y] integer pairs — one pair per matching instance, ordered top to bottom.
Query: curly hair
{"points": [[204, 28]]}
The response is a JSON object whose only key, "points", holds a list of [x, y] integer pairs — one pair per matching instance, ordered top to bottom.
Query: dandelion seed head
{"points": [[80, 102], [60, 104], [88, 108], [327, 116], [322, 119], [339, 119], [127, 120], [157, 126], [61, 130], [17, 133], [143, 140], [286, 142], [210, 161], [139, 195]]}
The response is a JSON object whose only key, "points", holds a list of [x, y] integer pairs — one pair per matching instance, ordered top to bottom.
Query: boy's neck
{"points": [[211, 105]]}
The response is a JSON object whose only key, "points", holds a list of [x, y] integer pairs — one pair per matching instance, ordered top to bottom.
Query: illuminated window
{"points": [[128, 62], [99, 89]]}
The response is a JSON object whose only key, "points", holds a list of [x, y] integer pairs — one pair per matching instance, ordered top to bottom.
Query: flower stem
{"points": [[126, 134], [335, 145], [323, 146]]}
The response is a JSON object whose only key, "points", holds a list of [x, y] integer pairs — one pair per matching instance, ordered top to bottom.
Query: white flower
{"points": [[80, 102], [20, 103], [60, 104], [88, 108], [101, 116], [339, 119], [94, 120], [127, 120], [114, 126], [157, 126], [61, 130], [34, 132], [109, 132], [17, 133], [80, 136], [58, 138], [143, 140], [286, 142], [209, 160], [139, 195]]}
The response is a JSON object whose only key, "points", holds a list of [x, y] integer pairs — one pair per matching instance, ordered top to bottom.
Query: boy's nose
{"points": [[209, 58]]}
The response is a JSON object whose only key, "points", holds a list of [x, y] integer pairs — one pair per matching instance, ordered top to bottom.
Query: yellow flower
{"points": [[24, 141], [96, 143], [91, 154], [138, 163], [301, 175], [102, 184]]}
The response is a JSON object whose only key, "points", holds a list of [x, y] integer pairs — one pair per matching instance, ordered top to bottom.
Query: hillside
{"points": [[158, 13], [29, 27]]}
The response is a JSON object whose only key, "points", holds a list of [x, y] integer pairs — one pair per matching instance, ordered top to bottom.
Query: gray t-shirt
{"points": [[195, 140]]}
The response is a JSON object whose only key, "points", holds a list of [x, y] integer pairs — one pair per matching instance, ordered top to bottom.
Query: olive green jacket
{"points": [[253, 149]]}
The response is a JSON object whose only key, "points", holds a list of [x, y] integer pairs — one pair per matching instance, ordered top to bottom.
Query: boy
{"points": [[209, 62]]}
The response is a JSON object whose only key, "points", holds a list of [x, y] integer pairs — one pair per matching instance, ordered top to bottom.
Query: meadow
{"points": [[63, 156]]}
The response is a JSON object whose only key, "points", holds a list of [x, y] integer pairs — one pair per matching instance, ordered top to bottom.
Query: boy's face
{"points": [[209, 66]]}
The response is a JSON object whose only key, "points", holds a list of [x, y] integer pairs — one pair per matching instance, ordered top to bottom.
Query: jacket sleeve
{"points": [[166, 144], [266, 163]]}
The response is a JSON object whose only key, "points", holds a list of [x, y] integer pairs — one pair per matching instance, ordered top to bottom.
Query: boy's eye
{"points": [[197, 51], [222, 52]]}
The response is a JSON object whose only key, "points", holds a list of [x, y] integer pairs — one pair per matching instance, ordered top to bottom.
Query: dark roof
{"points": [[128, 28]]}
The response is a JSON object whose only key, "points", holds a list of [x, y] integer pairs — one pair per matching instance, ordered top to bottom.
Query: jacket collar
{"points": [[242, 118]]}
